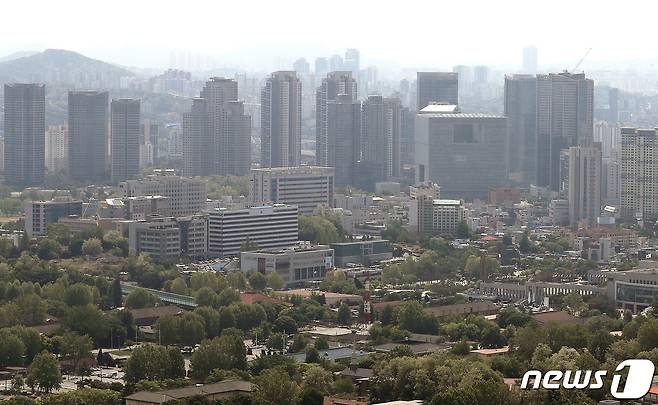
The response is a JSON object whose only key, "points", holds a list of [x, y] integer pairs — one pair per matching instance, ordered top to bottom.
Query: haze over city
{"points": [[328, 203]]}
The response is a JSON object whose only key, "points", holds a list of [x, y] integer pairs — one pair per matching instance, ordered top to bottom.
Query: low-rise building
{"points": [[40, 214], [364, 252], [295, 265], [213, 392]]}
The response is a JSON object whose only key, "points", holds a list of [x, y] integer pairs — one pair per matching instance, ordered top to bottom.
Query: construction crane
{"points": [[581, 60]]}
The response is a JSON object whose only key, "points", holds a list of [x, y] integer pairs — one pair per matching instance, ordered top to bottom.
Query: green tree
{"points": [[319, 230], [462, 231], [524, 245], [92, 247], [49, 249], [257, 281], [275, 281], [178, 286], [115, 293], [78, 294], [205, 297], [140, 298], [344, 315], [647, 335], [275, 341], [75, 348], [461, 348], [12, 350], [224, 352], [312, 355], [153, 363], [44, 373], [318, 378], [275, 387]]}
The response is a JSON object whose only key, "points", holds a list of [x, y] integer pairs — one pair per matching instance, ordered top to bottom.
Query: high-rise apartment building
{"points": [[530, 60], [352, 61], [336, 63], [302, 67], [321, 67], [334, 84], [437, 87], [565, 108], [521, 113], [407, 119], [281, 120], [25, 130], [217, 132], [88, 135], [344, 138], [125, 139], [380, 141], [57, 148], [464, 153], [639, 174], [584, 183], [304, 186], [187, 195], [274, 226]]}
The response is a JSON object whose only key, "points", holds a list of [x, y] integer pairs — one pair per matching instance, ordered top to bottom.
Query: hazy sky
{"points": [[409, 33]]}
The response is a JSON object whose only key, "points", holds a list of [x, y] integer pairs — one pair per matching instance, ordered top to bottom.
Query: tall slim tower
{"points": [[530, 60], [352, 61], [334, 84], [439, 87], [565, 109], [521, 113], [281, 120], [25, 130], [88, 135], [343, 137], [125, 138], [197, 140], [380, 140], [639, 174], [584, 183]]}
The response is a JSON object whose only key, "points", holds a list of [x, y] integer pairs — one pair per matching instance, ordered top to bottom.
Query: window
{"points": [[464, 133]]}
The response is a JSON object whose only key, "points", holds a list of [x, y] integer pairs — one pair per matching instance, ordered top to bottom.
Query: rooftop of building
{"points": [[440, 108], [292, 170], [446, 202], [302, 247], [160, 397]]}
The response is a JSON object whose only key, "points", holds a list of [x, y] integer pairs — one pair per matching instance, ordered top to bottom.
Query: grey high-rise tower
{"points": [[530, 60], [352, 61], [334, 84], [438, 87], [565, 109], [521, 113], [281, 120], [25, 134], [88, 135], [344, 137], [125, 138], [215, 138], [380, 140], [584, 183]]}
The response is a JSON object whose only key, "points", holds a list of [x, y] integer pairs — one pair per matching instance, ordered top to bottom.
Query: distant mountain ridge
{"points": [[17, 55], [62, 67]]}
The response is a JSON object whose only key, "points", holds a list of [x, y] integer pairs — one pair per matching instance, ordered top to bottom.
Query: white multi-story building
{"points": [[57, 148], [304, 186], [187, 195], [433, 216], [268, 226], [295, 265]]}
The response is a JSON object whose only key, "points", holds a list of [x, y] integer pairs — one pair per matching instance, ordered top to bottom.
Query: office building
{"points": [[530, 60], [352, 61], [334, 84], [437, 87], [565, 108], [521, 113], [281, 120], [25, 130], [217, 132], [88, 135], [344, 138], [125, 139], [380, 141], [57, 148], [466, 154], [639, 174], [584, 183], [305, 186], [187, 195], [40, 214], [431, 216], [269, 226], [194, 235], [159, 237], [365, 252], [296, 265]]}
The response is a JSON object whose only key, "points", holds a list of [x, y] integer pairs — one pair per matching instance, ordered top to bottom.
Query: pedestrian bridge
{"points": [[537, 291], [170, 298]]}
